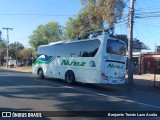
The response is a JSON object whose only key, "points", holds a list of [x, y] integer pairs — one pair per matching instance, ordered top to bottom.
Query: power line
{"points": [[148, 8], [35, 14], [26, 19], [148, 24], [153, 34], [141, 35], [155, 37]]}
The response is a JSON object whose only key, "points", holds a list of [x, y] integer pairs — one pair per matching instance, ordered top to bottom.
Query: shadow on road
{"points": [[59, 96]]}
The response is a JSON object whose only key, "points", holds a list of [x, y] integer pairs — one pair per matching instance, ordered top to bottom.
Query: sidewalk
{"points": [[146, 81]]}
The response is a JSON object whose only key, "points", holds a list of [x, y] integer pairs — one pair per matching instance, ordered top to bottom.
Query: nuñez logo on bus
{"points": [[74, 63], [115, 66]]}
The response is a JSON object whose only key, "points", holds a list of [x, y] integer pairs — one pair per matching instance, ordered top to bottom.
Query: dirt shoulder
{"points": [[20, 69]]}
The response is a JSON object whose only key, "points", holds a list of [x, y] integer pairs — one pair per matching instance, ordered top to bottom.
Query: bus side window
{"points": [[90, 48], [74, 50], [60, 51], [73, 54], [85, 54]]}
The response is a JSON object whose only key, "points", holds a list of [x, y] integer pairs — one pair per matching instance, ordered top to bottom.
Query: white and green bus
{"points": [[97, 60]]}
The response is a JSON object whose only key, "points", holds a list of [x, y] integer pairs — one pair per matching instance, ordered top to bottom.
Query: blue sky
{"points": [[14, 14], [146, 29]]}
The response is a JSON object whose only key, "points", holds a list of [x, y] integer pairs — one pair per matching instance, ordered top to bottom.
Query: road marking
{"points": [[104, 95]]}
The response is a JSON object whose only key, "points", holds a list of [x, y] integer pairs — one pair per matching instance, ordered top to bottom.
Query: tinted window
{"points": [[116, 47], [90, 48], [74, 49], [83, 49], [46, 50], [60, 50], [40, 51], [50, 51]]}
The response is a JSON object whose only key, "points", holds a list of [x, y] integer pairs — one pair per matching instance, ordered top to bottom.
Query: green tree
{"points": [[100, 11], [93, 16], [79, 27], [73, 28], [45, 34], [136, 43], [13, 48], [2, 51], [26, 55]]}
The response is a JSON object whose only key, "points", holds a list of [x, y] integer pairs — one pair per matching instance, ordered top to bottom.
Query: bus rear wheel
{"points": [[40, 73], [70, 77]]}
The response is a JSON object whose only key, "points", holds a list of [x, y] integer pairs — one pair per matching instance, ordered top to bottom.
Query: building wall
{"points": [[150, 63]]}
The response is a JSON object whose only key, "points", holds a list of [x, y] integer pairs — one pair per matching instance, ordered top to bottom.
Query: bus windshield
{"points": [[116, 47]]}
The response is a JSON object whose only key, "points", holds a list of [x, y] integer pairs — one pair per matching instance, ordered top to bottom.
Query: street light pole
{"points": [[7, 44]]}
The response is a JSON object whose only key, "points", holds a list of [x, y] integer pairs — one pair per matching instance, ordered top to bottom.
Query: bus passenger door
{"points": [[60, 56], [51, 67]]}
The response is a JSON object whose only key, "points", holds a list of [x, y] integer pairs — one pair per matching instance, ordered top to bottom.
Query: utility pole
{"points": [[130, 43], [7, 44], [16, 53]]}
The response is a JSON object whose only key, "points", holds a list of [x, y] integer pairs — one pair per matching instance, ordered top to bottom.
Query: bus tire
{"points": [[40, 73], [70, 77]]}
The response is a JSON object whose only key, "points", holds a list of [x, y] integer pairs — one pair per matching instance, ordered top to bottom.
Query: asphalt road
{"points": [[21, 91]]}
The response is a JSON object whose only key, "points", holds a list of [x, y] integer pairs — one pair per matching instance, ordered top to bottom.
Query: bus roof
{"points": [[67, 41], [74, 41]]}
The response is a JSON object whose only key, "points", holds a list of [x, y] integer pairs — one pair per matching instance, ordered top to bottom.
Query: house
{"points": [[144, 63], [150, 63]]}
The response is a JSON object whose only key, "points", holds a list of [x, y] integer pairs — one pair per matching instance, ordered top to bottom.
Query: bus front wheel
{"points": [[40, 73], [70, 77]]}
